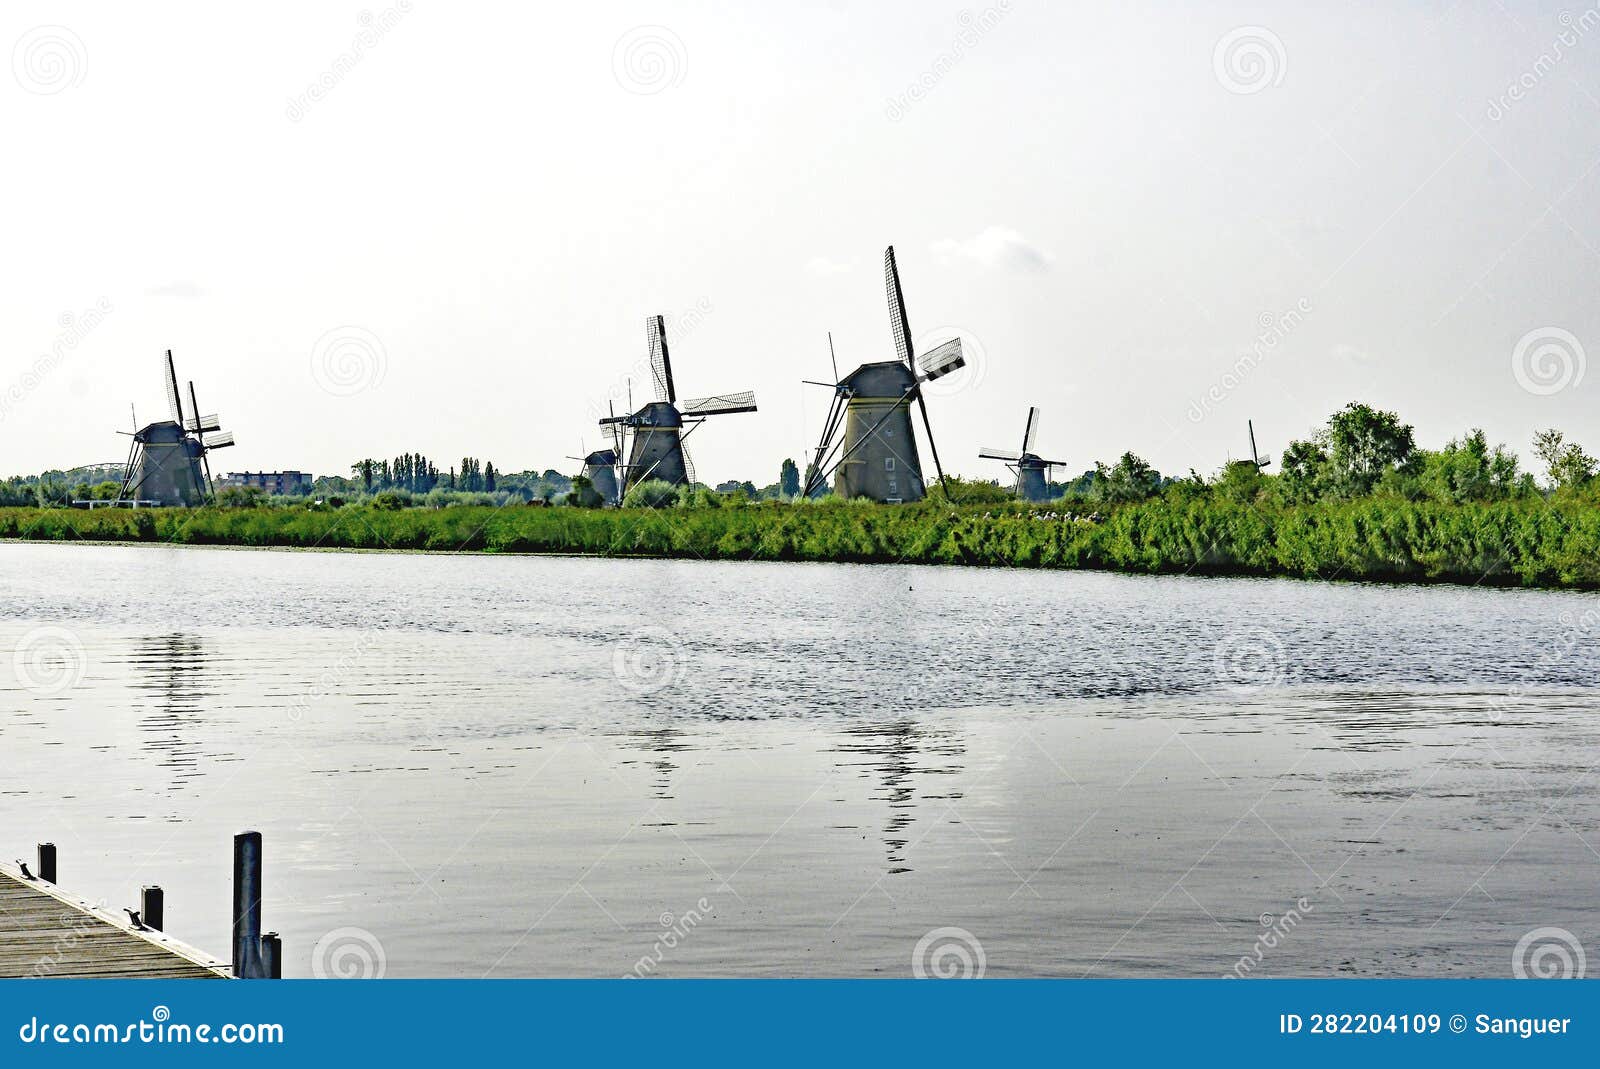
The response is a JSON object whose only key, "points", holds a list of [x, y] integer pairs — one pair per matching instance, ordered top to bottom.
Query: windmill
{"points": [[652, 438], [876, 455], [1256, 457], [167, 463], [600, 468], [1033, 472]]}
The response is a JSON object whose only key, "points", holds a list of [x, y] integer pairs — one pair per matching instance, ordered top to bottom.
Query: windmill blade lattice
{"points": [[898, 324], [660, 360], [744, 401], [174, 404], [1031, 431]]}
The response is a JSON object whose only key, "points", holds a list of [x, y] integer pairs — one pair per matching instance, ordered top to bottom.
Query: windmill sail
{"points": [[897, 309], [901, 329], [660, 360], [939, 362], [744, 401], [174, 404], [1031, 431], [651, 438], [1259, 459], [167, 462], [1033, 472]]}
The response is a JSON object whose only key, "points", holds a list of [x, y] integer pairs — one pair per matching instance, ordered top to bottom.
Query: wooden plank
{"points": [[47, 933]]}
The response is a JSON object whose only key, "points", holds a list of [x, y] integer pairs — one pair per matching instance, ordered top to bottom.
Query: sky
{"points": [[439, 228]]}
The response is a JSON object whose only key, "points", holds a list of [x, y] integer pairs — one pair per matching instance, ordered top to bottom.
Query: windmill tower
{"points": [[652, 438], [876, 456], [167, 462], [600, 468], [1032, 471]]}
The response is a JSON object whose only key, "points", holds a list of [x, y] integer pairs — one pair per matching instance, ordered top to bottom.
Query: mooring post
{"points": [[47, 862], [247, 905], [153, 908], [272, 956]]}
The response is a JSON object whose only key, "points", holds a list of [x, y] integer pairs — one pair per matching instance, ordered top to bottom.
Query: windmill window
{"points": [[888, 463]]}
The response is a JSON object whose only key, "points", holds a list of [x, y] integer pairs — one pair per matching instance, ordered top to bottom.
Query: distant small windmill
{"points": [[652, 438], [876, 455], [1258, 459], [167, 463], [600, 468], [1033, 472]]}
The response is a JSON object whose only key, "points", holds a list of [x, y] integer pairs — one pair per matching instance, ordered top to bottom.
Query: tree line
{"points": [[1360, 451]]}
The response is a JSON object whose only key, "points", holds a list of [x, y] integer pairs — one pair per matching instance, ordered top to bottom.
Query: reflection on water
{"points": [[169, 688], [661, 745], [435, 753], [898, 755]]}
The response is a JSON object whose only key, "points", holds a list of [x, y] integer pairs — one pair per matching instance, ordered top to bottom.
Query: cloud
{"points": [[996, 247], [821, 265], [177, 288], [1351, 354]]}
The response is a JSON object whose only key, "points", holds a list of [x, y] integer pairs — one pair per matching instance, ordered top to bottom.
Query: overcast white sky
{"points": [[1105, 200]]}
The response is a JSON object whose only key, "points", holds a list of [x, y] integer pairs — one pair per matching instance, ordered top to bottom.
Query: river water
{"points": [[529, 766]]}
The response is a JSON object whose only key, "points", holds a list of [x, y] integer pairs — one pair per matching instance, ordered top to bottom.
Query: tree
{"points": [[1363, 443], [1357, 448], [1566, 465], [1468, 470], [811, 472], [1304, 472], [488, 477], [789, 479], [1130, 479], [1240, 481], [650, 494], [583, 495], [240, 497]]}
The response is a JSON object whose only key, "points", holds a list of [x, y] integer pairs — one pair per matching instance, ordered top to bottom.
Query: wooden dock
{"points": [[45, 932]]}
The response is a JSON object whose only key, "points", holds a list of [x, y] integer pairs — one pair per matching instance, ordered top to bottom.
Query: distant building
{"points": [[273, 482]]}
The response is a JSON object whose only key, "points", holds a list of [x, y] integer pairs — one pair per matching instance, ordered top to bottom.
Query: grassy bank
{"points": [[1522, 542]]}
